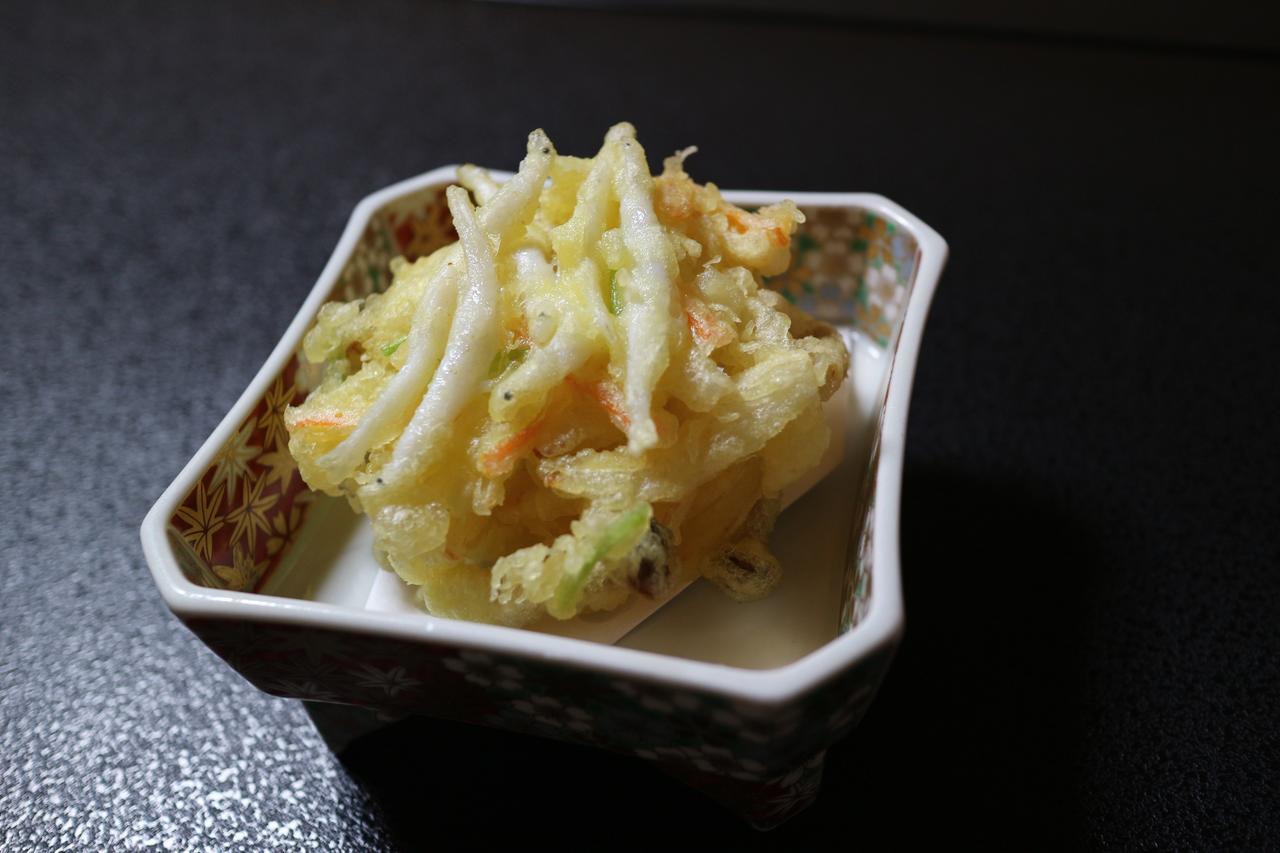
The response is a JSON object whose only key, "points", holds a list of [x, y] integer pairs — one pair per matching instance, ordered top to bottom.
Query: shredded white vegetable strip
{"points": [[479, 182], [515, 202], [506, 208], [585, 225], [578, 270], [536, 280], [646, 288], [473, 340], [426, 343], [545, 367], [525, 388]]}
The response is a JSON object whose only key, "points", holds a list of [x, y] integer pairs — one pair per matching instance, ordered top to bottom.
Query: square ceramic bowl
{"points": [[740, 700]]}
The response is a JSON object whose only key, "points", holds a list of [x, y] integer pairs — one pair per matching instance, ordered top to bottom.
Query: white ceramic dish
{"points": [[279, 584]]}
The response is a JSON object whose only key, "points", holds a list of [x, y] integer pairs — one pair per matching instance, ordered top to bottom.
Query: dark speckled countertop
{"points": [[1090, 517]]}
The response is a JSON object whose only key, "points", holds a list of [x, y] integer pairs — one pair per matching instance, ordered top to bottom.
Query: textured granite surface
{"points": [[1090, 518]]}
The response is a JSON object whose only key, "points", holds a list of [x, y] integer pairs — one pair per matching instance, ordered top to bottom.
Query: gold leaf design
{"points": [[278, 399], [232, 461], [279, 465], [250, 515], [203, 520], [283, 527], [244, 571]]}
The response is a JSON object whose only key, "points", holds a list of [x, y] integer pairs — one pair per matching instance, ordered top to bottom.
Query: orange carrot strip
{"points": [[736, 220], [742, 222], [705, 326], [700, 329], [520, 333], [607, 395], [611, 400], [322, 422], [493, 462]]}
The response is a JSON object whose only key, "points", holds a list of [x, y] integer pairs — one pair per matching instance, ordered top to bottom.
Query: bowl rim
{"points": [[880, 627]]}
